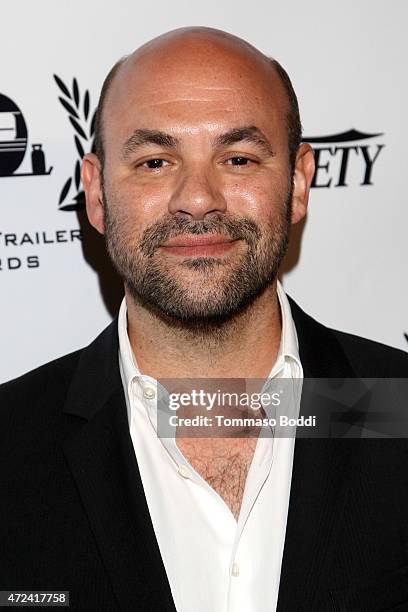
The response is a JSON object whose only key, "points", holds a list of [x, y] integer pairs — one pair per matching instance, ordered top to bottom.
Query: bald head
{"points": [[195, 55]]}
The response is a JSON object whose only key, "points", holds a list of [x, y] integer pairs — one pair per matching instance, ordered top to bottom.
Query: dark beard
{"points": [[155, 288]]}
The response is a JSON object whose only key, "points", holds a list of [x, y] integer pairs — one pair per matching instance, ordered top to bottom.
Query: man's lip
{"points": [[197, 240], [204, 245]]}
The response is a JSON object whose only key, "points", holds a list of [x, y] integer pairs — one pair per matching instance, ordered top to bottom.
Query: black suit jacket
{"points": [[74, 515]]}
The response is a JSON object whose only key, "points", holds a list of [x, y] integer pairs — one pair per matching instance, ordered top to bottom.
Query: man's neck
{"points": [[167, 350]]}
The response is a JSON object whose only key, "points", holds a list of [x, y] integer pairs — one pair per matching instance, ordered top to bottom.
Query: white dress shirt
{"points": [[213, 562]]}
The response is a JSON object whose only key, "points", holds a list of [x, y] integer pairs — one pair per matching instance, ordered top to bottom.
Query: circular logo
{"points": [[13, 136]]}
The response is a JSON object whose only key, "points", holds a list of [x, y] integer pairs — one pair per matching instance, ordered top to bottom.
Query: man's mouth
{"points": [[199, 245]]}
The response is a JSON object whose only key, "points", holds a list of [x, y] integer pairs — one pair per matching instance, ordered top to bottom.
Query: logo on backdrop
{"points": [[83, 124], [14, 142], [335, 154], [20, 250]]}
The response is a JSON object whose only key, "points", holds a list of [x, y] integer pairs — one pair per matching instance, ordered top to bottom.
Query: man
{"points": [[199, 173]]}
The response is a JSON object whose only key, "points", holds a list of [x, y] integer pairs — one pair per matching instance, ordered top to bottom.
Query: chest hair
{"points": [[223, 463]]}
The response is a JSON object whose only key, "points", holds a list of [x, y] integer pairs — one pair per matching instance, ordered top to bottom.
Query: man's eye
{"points": [[238, 161], [153, 164]]}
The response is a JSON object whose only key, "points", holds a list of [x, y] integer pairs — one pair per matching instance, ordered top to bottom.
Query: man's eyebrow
{"points": [[248, 133], [142, 137]]}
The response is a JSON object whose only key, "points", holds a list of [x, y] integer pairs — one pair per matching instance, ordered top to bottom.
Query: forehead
{"points": [[194, 88]]}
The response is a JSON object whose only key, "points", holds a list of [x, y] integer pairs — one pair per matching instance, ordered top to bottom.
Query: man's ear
{"points": [[91, 175], [302, 179]]}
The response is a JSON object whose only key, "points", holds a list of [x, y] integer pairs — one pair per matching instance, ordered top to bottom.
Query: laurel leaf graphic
{"points": [[62, 86], [75, 91], [86, 105], [68, 107], [80, 119], [78, 128], [92, 130], [79, 147], [77, 174], [65, 190], [71, 207], [406, 336]]}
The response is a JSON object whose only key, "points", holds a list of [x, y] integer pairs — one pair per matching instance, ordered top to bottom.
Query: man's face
{"points": [[197, 187]]}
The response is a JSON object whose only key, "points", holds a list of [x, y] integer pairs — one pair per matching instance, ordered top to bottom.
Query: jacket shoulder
{"points": [[329, 352], [372, 359], [52, 378]]}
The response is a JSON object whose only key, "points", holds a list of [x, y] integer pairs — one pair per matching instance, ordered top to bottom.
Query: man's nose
{"points": [[198, 194]]}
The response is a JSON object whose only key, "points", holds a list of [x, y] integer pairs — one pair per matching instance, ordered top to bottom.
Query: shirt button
{"points": [[149, 393], [183, 471], [235, 569]]}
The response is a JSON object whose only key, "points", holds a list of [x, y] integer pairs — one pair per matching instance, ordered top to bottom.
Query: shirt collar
{"points": [[289, 344], [288, 347]]}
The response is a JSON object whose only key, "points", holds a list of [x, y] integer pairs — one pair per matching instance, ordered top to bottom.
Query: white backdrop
{"points": [[347, 62]]}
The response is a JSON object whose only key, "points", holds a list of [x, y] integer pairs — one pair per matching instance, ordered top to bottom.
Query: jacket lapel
{"points": [[101, 457], [321, 472]]}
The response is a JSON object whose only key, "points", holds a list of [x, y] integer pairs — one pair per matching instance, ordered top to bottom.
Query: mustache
{"points": [[241, 228]]}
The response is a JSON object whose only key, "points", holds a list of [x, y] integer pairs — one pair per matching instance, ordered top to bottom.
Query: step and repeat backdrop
{"points": [[347, 262]]}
